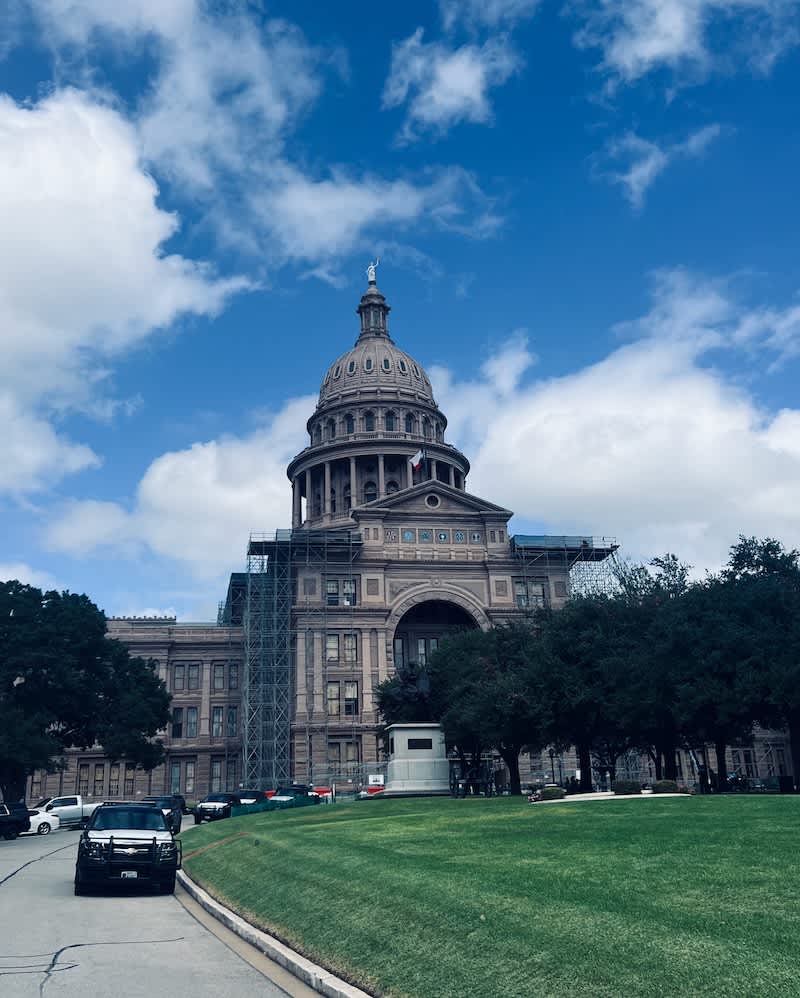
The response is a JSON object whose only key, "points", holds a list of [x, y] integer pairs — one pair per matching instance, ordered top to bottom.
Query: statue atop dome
{"points": [[371, 270]]}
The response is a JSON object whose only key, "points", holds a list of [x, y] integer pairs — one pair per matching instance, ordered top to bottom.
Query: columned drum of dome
{"points": [[376, 430]]}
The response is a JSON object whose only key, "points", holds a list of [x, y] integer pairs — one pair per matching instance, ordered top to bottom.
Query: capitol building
{"points": [[387, 552]]}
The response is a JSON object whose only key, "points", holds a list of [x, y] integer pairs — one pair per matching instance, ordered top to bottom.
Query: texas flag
{"points": [[417, 459]]}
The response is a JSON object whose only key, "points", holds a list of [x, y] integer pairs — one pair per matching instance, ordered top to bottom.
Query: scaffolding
{"points": [[587, 562]]}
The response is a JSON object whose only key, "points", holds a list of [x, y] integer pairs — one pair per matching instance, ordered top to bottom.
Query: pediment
{"points": [[417, 500]]}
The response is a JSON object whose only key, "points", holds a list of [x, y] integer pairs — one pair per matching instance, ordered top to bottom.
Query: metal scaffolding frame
{"points": [[587, 561]]}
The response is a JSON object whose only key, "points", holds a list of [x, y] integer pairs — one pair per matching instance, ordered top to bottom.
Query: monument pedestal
{"points": [[418, 764]]}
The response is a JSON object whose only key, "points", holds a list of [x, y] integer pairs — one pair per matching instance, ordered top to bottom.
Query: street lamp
{"points": [[551, 753]]}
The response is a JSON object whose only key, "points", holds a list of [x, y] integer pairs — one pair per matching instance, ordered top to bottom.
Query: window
{"points": [[368, 363], [387, 364], [403, 366], [351, 367], [337, 370], [390, 421], [369, 422], [349, 423], [409, 423], [331, 429], [426, 429], [316, 436], [391, 487], [370, 492], [333, 500], [332, 592], [349, 592], [528, 594], [349, 647], [332, 648], [422, 651], [399, 653], [233, 676], [178, 677], [194, 677], [219, 677], [351, 699], [334, 706], [177, 722], [191, 722], [216, 722], [232, 722], [351, 752], [334, 753], [230, 770], [216, 775], [175, 777], [83, 778], [99, 778], [130, 778], [113, 780], [189, 784]]}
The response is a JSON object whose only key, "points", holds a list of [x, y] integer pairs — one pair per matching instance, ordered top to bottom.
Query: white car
{"points": [[42, 823]]}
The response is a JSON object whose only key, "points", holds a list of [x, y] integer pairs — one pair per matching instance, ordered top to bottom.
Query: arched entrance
{"points": [[421, 628]]}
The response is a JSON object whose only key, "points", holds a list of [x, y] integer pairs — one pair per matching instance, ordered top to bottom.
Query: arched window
{"points": [[368, 363], [387, 364], [403, 366], [351, 367], [369, 421], [390, 421], [349, 423], [409, 423], [331, 429], [426, 429], [438, 431], [316, 435], [391, 487], [370, 491], [333, 500]]}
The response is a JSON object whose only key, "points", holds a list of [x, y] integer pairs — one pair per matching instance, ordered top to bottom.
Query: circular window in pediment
{"points": [[433, 501]]}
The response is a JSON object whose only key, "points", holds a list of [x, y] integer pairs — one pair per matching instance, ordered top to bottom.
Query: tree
{"points": [[64, 684]]}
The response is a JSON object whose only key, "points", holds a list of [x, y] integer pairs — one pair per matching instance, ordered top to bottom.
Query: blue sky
{"points": [[586, 215]]}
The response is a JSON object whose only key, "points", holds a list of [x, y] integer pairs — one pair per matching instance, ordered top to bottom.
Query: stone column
{"points": [[433, 470], [452, 471], [409, 473], [381, 477], [353, 483], [326, 499], [296, 502], [309, 508]]}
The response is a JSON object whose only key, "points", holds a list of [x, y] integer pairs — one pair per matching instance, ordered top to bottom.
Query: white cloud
{"points": [[489, 13], [637, 37], [443, 85], [646, 160], [83, 277], [647, 445], [23, 572]]}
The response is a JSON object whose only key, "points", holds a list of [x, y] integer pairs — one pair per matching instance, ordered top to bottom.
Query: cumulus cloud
{"points": [[489, 13], [637, 37], [444, 85], [645, 161], [83, 276], [23, 572]]}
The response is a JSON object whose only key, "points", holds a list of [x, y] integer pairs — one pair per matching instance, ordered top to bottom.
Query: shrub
{"points": [[627, 787], [665, 787], [553, 793]]}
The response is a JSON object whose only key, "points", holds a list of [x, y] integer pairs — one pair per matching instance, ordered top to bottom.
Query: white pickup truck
{"points": [[71, 810]]}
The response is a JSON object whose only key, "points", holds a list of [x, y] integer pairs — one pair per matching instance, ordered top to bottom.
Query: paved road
{"points": [[53, 944]]}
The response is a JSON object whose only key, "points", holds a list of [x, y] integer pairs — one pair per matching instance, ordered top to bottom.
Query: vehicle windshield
{"points": [[219, 799], [43, 801], [161, 801], [139, 818]]}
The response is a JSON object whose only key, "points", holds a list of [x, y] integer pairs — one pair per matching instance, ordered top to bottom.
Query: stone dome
{"points": [[375, 365]]}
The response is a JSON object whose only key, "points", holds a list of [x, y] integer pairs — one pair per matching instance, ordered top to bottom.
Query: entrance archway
{"points": [[421, 628]]}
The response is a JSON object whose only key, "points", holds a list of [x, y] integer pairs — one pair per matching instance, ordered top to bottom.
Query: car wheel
{"points": [[197, 820], [43, 829], [10, 833], [168, 886], [80, 890]]}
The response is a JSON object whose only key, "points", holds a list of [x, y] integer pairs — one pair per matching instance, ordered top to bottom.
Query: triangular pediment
{"points": [[419, 500]]}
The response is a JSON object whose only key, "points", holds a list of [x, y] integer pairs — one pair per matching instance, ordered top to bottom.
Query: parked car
{"points": [[299, 793], [252, 796], [215, 806], [171, 808], [72, 810], [14, 819], [42, 823], [127, 844]]}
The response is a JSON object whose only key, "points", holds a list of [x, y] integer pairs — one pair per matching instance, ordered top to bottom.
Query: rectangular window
{"points": [[349, 590], [332, 593], [536, 593], [521, 595], [349, 647], [332, 648], [399, 653], [422, 653], [194, 676], [233, 676], [219, 677], [179, 678], [351, 699], [334, 706], [177, 722], [191, 722], [216, 722], [232, 725], [351, 752], [334, 753], [230, 771], [216, 775], [175, 777], [83, 778], [99, 778], [130, 779], [113, 780], [189, 785]]}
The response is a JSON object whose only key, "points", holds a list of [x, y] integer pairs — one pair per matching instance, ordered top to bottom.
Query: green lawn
{"points": [[440, 898]]}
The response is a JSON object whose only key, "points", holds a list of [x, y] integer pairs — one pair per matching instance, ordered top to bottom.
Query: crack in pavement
{"points": [[30, 862]]}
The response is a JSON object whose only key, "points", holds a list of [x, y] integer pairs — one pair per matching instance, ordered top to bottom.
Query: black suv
{"points": [[171, 806], [215, 806], [14, 819], [127, 844]]}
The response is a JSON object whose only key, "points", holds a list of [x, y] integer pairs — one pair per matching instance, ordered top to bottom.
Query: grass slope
{"points": [[436, 898]]}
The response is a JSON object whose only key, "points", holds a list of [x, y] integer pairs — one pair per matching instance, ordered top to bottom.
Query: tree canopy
{"points": [[64, 684]]}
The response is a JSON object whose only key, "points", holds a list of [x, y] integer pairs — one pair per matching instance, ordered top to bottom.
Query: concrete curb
{"points": [[315, 977]]}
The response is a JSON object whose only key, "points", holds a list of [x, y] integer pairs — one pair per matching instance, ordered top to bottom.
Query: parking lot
{"points": [[127, 945]]}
